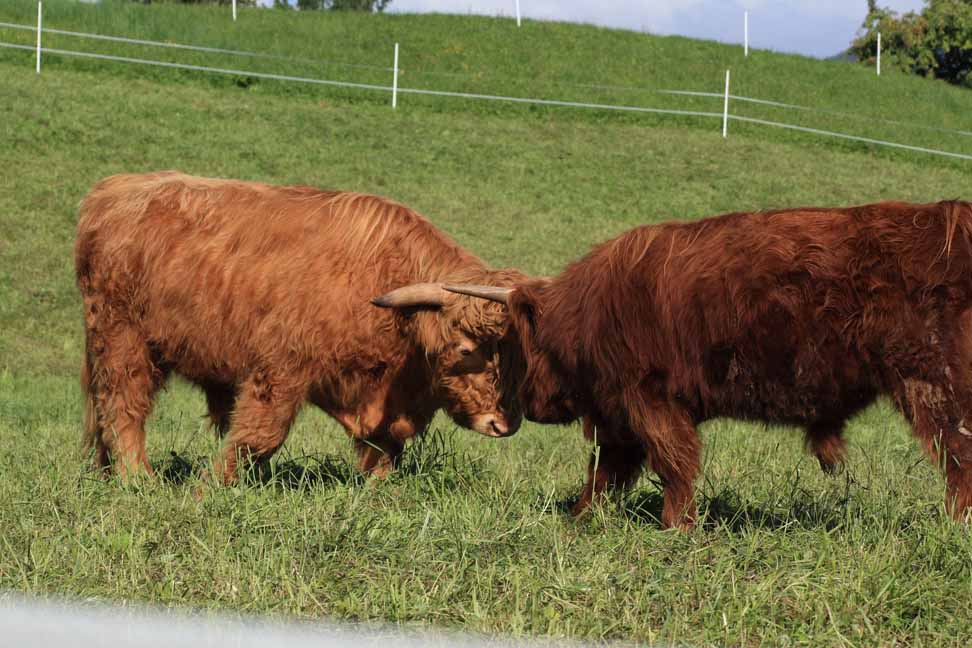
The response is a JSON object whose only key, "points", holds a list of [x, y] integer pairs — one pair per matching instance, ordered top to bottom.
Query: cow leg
{"points": [[123, 380], [220, 400], [265, 409], [945, 435], [93, 439], [826, 441], [378, 443], [376, 448], [673, 449], [378, 453], [378, 456], [611, 468], [958, 469], [678, 474]]}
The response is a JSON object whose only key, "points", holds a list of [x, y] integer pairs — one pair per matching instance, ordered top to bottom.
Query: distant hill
{"points": [[484, 55], [846, 55]]}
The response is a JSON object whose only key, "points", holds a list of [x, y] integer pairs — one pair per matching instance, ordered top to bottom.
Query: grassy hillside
{"points": [[491, 56], [472, 533]]}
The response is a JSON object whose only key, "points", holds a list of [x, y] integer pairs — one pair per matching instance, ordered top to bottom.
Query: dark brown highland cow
{"points": [[260, 296], [801, 316]]}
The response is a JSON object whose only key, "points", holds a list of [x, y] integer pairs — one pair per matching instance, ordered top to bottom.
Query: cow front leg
{"points": [[944, 434], [379, 443], [673, 449], [378, 453], [378, 456], [612, 468]]}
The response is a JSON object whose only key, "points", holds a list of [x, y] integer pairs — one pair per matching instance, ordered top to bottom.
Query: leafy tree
{"points": [[240, 3], [338, 5], [344, 5], [935, 43]]}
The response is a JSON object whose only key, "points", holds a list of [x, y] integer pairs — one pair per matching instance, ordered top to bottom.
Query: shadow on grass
{"points": [[432, 455], [177, 469], [307, 472], [294, 474], [727, 510], [807, 511]]}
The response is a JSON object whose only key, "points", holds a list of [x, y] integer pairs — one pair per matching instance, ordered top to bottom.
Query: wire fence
{"points": [[194, 48], [726, 115]]}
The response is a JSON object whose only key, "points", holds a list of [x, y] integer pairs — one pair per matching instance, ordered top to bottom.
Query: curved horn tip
{"points": [[497, 294]]}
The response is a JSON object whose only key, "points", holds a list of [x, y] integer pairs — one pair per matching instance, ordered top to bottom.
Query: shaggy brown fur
{"points": [[260, 296], [801, 316]]}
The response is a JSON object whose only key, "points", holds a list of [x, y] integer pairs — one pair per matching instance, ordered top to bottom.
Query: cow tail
{"points": [[91, 428]]}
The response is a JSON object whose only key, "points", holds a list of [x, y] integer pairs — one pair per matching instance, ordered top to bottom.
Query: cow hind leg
{"points": [[122, 380], [265, 409], [92, 439], [826, 441]]}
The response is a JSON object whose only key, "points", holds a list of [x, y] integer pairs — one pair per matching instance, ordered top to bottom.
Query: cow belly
{"points": [[800, 387]]}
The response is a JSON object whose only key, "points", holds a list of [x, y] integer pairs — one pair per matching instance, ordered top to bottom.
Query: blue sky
{"points": [[811, 27]]}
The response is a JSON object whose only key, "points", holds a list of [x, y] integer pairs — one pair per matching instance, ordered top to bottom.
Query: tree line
{"points": [[303, 5], [935, 42]]}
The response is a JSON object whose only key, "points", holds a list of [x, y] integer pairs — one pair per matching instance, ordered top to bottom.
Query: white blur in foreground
{"points": [[42, 623]]}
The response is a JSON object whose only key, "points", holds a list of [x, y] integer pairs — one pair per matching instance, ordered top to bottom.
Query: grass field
{"points": [[491, 56], [472, 533]]}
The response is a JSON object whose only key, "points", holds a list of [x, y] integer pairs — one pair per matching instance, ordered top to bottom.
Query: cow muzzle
{"points": [[495, 425]]}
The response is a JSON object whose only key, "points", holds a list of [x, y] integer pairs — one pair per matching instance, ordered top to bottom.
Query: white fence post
{"points": [[234, 10], [517, 13], [39, 15], [746, 33], [879, 55], [395, 80], [725, 109]]}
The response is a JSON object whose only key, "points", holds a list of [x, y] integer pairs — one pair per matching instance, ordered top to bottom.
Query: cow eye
{"points": [[465, 352]]}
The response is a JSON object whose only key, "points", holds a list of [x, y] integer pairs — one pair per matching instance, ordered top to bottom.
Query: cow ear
{"points": [[429, 295], [523, 310]]}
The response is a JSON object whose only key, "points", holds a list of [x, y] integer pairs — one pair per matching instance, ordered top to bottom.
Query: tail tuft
{"points": [[90, 434]]}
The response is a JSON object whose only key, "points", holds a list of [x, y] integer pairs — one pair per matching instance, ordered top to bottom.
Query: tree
{"points": [[242, 3], [338, 5], [343, 5], [935, 43]]}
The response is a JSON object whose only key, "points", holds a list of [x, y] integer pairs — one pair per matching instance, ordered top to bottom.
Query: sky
{"points": [[812, 27]]}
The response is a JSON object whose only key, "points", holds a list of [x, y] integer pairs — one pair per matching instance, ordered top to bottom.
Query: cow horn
{"points": [[492, 293], [422, 294]]}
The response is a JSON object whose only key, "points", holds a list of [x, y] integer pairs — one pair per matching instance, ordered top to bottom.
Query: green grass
{"points": [[492, 56], [472, 534]]}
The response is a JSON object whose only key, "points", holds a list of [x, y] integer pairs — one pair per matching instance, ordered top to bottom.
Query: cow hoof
{"points": [[831, 468], [581, 509]]}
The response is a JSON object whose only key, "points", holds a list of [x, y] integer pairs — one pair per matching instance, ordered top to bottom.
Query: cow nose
{"points": [[499, 427]]}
